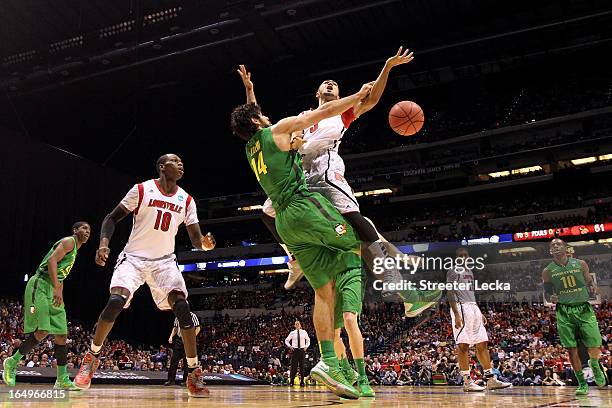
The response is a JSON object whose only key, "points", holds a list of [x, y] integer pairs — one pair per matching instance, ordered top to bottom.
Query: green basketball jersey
{"points": [[279, 173], [63, 266], [569, 282]]}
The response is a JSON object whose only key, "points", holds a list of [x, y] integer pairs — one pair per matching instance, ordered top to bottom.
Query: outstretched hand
{"points": [[402, 57], [246, 77], [208, 242]]}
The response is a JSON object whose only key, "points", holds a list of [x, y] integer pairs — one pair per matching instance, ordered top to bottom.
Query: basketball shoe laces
{"points": [[88, 365], [198, 381]]}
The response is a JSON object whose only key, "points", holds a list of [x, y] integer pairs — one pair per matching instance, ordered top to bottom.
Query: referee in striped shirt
{"points": [[178, 350]]}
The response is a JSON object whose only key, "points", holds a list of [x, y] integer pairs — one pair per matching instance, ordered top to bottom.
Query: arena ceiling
{"points": [[121, 82]]}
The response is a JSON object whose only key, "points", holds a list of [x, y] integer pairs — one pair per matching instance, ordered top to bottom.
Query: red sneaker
{"points": [[86, 372], [195, 384]]}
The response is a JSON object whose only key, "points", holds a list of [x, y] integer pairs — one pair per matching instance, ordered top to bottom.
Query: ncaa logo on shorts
{"points": [[340, 229]]}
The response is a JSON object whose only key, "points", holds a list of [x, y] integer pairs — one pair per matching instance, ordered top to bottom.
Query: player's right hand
{"points": [[246, 77], [365, 90], [102, 256], [58, 298], [554, 299], [458, 322], [170, 340]]}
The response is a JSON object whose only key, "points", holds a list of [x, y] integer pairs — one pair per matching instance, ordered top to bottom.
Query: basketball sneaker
{"points": [[295, 274], [425, 299], [86, 372], [349, 373], [9, 374], [600, 377], [333, 379], [64, 383], [195, 384], [495, 384], [472, 387], [364, 388], [583, 389]]}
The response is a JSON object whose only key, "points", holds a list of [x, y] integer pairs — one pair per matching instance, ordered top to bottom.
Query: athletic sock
{"points": [[95, 350], [328, 354], [192, 363], [344, 363], [360, 363], [61, 371], [488, 373], [466, 376], [580, 377]]}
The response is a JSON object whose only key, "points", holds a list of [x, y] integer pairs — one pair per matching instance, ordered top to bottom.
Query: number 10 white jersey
{"points": [[156, 218]]}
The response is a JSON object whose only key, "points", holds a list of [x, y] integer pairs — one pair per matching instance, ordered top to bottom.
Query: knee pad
{"points": [[113, 308], [183, 314], [61, 354]]}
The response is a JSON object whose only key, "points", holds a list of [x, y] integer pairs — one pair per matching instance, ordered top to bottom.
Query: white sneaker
{"points": [[295, 274], [494, 384], [472, 387]]}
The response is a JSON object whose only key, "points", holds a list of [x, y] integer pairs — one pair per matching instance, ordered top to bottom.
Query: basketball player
{"points": [[324, 169], [159, 206], [324, 245], [567, 283], [44, 311], [469, 328]]}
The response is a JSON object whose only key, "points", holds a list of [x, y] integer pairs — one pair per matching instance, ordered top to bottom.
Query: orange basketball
{"points": [[406, 118]]}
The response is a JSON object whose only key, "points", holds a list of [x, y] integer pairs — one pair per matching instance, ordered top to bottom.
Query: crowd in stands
{"points": [[524, 346], [400, 351]]}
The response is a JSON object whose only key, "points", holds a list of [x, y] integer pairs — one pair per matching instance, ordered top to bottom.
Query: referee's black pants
{"points": [[178, 353], [297, 358]]}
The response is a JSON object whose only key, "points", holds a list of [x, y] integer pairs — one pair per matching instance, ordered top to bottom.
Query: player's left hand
{"points": [[402, 57], [246, 77], [296, 142], [208, 242], [484, 320]]}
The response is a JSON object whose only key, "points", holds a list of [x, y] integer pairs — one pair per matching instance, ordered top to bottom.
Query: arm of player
{"points": [[381, 82], [248, 84], [283, 130], [107, 230], [199, 241], [65, 246], [588, 278], [549, 289], [452, 300], [197, 330]]}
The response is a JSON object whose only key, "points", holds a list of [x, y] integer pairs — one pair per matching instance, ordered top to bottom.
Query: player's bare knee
{"points": [[113, 307], [350, 320], [40, 334], [60, 339], [463, 347]]}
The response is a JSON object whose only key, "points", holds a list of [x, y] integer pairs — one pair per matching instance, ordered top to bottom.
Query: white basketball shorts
{"points": [[161, 275], [473, 330]]}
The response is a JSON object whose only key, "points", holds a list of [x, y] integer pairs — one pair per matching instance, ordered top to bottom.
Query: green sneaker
{"points": [[424, 300], [9, 374], [351, 375], [600, 377], [333, 379], [64, 383], [363, 386], [583, 389]]}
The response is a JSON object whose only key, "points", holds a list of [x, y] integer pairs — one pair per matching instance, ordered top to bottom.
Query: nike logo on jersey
{"points": [[165, 205]]}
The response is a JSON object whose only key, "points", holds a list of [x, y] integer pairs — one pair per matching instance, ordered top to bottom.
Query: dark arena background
{"points": [[515, 151]]}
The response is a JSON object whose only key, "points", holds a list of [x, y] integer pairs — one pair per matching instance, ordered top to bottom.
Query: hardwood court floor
{"points": [[106, 396]]}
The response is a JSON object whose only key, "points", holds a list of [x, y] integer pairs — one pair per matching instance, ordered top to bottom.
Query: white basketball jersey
{"points": [[320, 150], [156, 218]]}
